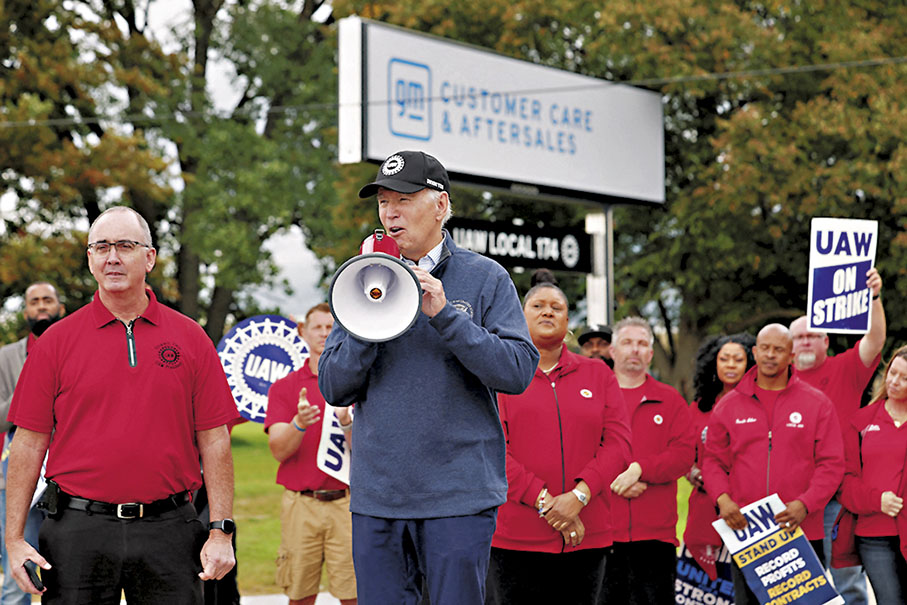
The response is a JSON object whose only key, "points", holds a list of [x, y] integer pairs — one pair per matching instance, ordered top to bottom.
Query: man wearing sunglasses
{"points": [[133, 395]]}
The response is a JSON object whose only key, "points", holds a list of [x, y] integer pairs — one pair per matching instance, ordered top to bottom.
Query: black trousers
{"points": [[153, 560], [641, 573], [517, 577], [226, 590]]}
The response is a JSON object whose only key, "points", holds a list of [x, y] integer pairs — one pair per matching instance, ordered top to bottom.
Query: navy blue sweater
{"points": [[427, 439]]}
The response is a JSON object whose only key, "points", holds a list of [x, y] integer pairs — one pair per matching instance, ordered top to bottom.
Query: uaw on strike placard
{"points": [[841, 252], [780, 567]]}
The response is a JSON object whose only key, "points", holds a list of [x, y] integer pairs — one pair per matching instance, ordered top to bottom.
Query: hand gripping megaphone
{"points": [[375, 296]]}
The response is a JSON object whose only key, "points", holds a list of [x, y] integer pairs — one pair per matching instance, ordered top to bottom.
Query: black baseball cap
{"points": [[409, 172], [603, 332]]}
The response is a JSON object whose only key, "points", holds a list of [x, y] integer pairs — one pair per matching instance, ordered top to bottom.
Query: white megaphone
{"points": [[375, 296]]}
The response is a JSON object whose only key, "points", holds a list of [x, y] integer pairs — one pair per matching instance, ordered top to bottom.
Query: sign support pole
{"points": [[609, 264], [600, 283]]}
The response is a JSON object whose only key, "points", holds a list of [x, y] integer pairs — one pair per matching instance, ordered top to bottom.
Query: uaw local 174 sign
{"points": [[525, 245], [841, 252], [255, 354], [780, 566]]}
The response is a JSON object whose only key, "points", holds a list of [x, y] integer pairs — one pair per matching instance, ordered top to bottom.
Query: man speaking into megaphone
{"points": [[427, 471]]}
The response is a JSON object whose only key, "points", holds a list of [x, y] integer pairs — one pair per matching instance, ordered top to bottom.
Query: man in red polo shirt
{"points": [[843, 378], [134, 395], [644, 496], [315, 522]]}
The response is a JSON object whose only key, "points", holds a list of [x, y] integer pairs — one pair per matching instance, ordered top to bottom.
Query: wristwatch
{"points": [[583, 498], [228, 526]]}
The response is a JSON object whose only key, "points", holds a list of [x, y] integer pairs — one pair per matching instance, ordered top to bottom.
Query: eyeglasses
{"points": [[123, 246]]}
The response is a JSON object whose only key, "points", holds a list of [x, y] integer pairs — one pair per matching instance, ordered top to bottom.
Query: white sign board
{"points": [[496, 120], [841, 252], [333, 450], [779, 565]]}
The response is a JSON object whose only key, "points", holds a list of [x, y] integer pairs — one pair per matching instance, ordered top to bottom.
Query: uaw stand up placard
{"points": [[841, 252], [255, 354], [780, 567]]}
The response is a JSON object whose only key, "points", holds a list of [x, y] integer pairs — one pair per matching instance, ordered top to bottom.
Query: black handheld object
{"points": [[31, 568]]}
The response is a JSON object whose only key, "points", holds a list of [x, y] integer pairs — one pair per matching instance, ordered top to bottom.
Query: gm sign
{"points": [[409, 91]]}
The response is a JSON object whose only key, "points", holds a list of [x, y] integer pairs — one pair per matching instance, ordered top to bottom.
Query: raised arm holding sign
{"points": [[834, 244]]}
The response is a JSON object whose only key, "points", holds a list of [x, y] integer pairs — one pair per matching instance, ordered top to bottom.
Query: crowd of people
{"points": [[490, 463]]}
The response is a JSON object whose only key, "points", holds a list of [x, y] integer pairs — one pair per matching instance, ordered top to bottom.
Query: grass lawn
{"points": [[256, 508]]}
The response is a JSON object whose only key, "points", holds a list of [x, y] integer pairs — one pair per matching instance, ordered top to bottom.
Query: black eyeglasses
{"points": [[123, 246]]}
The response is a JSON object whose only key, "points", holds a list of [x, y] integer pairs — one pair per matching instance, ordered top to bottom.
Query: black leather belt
{"points": [[325, 495], [129, 510]]}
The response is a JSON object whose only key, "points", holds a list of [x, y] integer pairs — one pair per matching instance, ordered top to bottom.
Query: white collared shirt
{"points": [[431, 259]]}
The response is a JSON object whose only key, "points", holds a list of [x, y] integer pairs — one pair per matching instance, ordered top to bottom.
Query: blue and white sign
{"points": [[492, 119], [841, 252], [255, 354], [333, 449], [780, 566], [693, 586]]}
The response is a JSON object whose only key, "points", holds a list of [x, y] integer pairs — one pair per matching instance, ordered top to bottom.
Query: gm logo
{"points": [[409, 90]]}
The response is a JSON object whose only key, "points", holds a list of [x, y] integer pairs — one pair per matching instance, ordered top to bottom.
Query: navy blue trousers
{"points": [[393, 556]]}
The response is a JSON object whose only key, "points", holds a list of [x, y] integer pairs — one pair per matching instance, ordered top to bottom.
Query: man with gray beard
{"points": [[843, 378]]}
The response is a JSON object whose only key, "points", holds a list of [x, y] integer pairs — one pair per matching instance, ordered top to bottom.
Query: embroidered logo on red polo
{"points": [[169, 355], [586, 393], [657, 419], [869, 428]]}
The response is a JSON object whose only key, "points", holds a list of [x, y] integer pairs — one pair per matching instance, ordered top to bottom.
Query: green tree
{"points": [[59, 168], [215, 179]]}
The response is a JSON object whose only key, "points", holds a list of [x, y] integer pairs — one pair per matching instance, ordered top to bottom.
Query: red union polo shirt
{"points": [[843, 378], [123, 410], [882, 451], [299, 471]]}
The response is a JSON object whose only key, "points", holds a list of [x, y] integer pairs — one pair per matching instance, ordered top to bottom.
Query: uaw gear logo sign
{"points": [[392, 165], [255, 354]]}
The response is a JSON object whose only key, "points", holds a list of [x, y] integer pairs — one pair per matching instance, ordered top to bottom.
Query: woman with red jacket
{"points": [[720, 365], [567, 438], [875, 482]]}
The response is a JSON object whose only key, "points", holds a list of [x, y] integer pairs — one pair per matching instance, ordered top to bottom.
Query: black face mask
{"points": [[39, 326]]}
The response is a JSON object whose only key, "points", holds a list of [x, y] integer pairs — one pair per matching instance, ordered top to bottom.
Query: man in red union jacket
{"points": [[774, 434], [643, 497]]}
